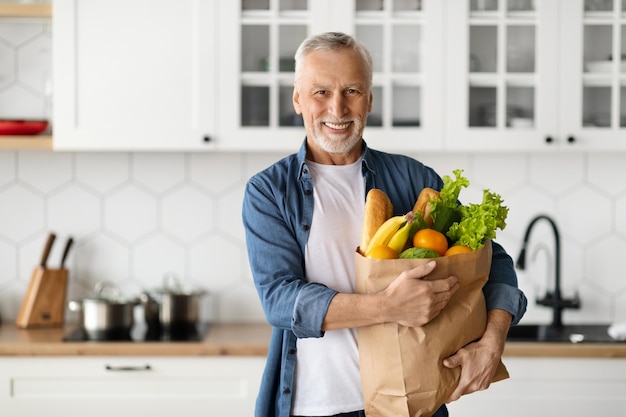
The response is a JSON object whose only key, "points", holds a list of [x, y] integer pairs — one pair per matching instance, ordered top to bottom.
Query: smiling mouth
{"points": [[337, 126]]}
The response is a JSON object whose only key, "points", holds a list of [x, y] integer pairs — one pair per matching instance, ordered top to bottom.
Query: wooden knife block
{"points": [[44, 302]]}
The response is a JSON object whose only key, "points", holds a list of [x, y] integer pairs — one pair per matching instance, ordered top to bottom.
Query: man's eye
{"points": [[351, 91], [321, 92]]}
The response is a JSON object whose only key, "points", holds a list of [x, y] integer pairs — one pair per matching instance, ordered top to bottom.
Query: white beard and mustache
{"points": [[337, 143]]}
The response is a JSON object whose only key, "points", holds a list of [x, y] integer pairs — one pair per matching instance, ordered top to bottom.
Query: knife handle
{"points": [[68, 245], [46, 250]]}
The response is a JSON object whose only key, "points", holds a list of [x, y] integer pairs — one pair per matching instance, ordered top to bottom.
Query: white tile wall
{"points": [[138, 216]]}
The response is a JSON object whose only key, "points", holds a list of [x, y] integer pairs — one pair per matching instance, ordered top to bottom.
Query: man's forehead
{"points": [[321, 69]]}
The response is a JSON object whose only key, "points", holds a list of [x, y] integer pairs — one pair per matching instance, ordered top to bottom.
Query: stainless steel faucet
{"points": [[552, 299]]}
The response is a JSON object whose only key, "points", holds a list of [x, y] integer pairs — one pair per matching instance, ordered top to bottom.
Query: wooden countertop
{"points": [[220, 340], [236, 340], [565, 350]]}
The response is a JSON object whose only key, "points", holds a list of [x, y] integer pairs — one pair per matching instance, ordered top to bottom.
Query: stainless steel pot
{"points": [[172, 307], [105, 314]]}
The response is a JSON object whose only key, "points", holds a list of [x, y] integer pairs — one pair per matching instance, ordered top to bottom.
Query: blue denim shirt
{"points": [[277, 214]]}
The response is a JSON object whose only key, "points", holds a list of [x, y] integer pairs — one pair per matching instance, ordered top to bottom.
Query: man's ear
{"points": [[296, 100], [369, 109]]}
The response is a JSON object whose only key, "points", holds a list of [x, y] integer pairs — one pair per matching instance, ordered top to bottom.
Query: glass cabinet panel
{"points": [[255, 4], [293, 5], [405, 5], [483, 5], [598, 5], [392, 30], [270, 34], [372, 37], [289, 38], [483, 41], [255, 48], [406, 54], [502, 56], [520, 56], [603, 60], [406, 105], [622, 112], [375, 118]]}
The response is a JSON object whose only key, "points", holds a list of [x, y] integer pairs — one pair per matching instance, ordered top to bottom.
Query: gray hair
{"points": [[332, 41]]}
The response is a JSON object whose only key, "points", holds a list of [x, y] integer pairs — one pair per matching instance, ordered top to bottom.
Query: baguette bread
{"points": [[423, 206], [378, 208]]}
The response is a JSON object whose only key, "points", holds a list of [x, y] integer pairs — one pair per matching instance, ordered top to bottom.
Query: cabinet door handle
{"points": [[549, 139], [571, 139], [128, 368]]}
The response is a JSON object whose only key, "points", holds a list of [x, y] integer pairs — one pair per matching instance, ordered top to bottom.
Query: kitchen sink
{"points": [[567, 333]]}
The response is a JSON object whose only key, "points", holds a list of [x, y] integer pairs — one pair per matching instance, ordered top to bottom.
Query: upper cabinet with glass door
{"points": [[405, 38], [256, 69], [502, 75], [537, 75], [593, 83]]}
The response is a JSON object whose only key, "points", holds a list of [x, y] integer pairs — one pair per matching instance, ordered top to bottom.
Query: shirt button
{"points": [[308, 192], [306, 227], [292, 351], [286, 391]]}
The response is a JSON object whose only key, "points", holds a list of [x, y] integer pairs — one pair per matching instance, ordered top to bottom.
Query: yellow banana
{"points": [[385, 232], [398, 240]]}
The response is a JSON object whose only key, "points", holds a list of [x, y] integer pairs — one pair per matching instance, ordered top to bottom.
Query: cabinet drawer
{"points": [[158, 386]]}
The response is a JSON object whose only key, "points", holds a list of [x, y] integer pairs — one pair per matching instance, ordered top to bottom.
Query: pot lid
{"points": [[172, 285], [106, 291]]}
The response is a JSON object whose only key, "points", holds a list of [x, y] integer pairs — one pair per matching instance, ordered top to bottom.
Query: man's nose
{"points": [[337, 105]]}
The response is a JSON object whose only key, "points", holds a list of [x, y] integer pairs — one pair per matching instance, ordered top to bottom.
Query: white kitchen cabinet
{"points": [[405, 38], [134, 75], [453, 75], [535, 75], [125, 386], [545, 387]]}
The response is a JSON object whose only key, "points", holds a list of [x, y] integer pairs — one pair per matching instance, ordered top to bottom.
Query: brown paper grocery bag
{"points": [[402, 370]]}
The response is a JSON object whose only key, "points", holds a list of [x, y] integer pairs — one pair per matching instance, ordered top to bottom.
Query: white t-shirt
{"points": [[327, 378]]}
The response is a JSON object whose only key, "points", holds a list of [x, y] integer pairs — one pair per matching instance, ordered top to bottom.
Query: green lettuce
{"points": [[445, 211], [479, 222]]}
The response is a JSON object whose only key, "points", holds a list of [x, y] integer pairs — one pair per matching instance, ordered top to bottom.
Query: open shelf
{"points": [[25, 10], [34, 11], [26, 142]]}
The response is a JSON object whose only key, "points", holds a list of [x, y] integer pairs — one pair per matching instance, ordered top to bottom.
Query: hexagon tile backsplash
{"points": [[138, 216]]}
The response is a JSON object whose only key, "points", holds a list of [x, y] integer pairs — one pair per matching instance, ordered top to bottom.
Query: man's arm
{"points": [[408, 300]]}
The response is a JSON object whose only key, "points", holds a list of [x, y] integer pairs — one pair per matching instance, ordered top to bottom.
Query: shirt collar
{"points": [[366, 158]]}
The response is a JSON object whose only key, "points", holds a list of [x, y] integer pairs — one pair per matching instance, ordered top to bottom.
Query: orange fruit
{"points": [[431, 239], [456, 249], [382, 252]]}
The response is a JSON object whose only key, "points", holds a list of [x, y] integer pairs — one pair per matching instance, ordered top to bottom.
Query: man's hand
{"points": [[413, 301], [479, 360]]}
